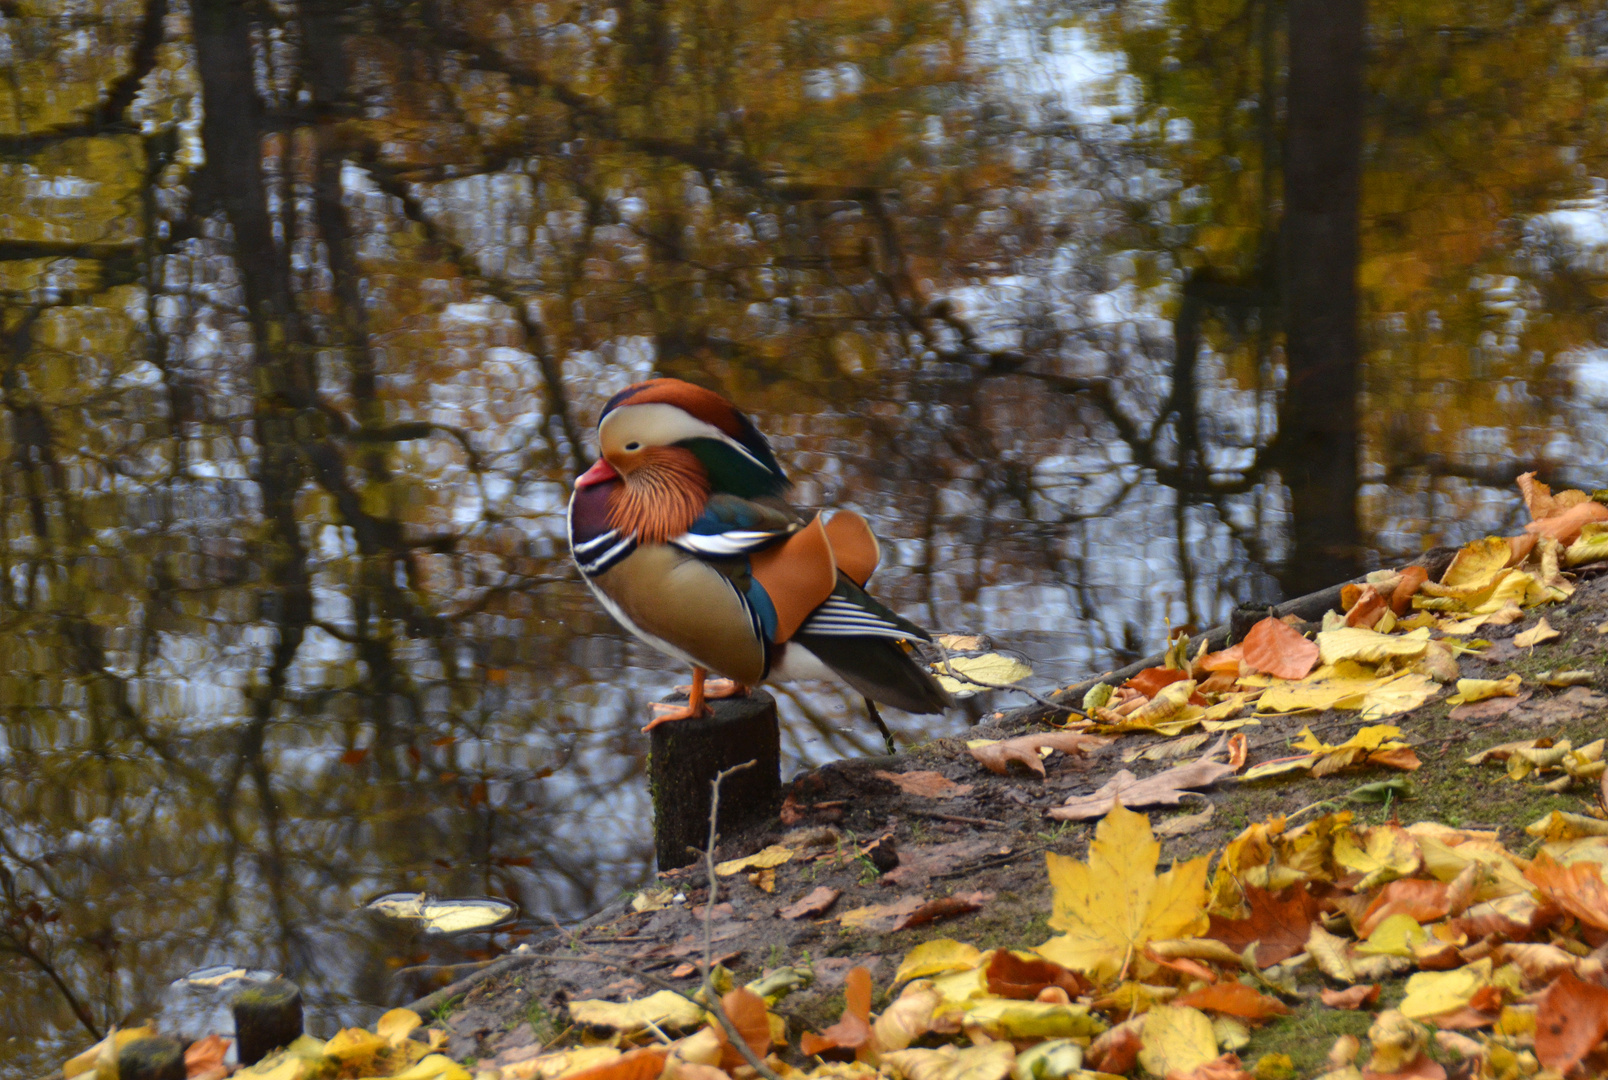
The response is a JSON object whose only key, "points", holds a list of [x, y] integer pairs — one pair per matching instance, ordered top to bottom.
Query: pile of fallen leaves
{"points": [[1392, 647], [1505, 953]]}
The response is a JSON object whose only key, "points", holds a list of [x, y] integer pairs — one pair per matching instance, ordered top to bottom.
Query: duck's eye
{"points": [[633, 446]]}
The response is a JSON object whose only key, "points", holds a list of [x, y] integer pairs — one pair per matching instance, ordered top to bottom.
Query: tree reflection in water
{"points": [[308, 306]]}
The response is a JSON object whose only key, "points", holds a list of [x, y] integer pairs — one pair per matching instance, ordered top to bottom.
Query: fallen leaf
{"points": [[1565, 527], [1590, 546], [1401, 597], [1540, 632], [1360, 646], [1278, 649], [1150, 681], [1472, 690], [1489, 709], [1024, 749], [925, 783], [1167, 788], [1184, 824], [1384, 853], [775, 855], [1577, 889], [1424, 901], [815, 902], [1112, 905], [944, 907], [880, 916], [1279, 922], [1331, 954], [936, 957], [1022, 977], [1433, 993], [1352, 997], [1235, 999], [663, 1009], [749, 1015], [908, 1018], [1001, 1018], [1571, 1019], [853, 1030], [1176, 1039], [1397, 1043], [1117, 1051], [203, 1059], [991, 1061]]}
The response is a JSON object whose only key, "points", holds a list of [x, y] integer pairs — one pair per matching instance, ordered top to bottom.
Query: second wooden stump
{"points": [[687, 755]]}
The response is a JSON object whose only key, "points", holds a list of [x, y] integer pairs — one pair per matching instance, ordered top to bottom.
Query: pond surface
{"points": [[307, 309]]}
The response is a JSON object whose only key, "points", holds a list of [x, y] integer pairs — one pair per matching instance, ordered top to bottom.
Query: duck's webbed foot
{"points": [[695, 708]]}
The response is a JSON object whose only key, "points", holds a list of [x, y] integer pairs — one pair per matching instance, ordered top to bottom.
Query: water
{"points": [[296, 369]]}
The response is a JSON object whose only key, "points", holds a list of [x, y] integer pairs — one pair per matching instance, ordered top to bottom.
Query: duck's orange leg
{"points": [[716, 689], [693, 709]]}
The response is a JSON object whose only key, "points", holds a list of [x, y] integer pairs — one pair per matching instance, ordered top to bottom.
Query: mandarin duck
{"points": [[682, 532]]}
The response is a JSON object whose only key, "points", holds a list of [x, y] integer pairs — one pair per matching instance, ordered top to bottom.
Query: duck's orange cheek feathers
{"points": [[662, 495]]}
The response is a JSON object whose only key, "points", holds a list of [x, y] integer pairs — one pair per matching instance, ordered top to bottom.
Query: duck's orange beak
{"points": [[601, 472]]}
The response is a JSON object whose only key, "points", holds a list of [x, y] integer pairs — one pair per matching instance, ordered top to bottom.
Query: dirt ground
{"points": [[876, 845]]}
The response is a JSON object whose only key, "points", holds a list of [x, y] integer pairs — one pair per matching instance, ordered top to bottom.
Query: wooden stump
{"points": [[687, 754], [267, 1016], [158, 1058]]}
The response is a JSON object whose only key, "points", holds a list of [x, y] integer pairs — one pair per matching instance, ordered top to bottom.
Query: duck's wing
{"points": [[730, 526], [861, 640]]}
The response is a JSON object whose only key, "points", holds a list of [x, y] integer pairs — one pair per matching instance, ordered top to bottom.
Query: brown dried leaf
{"points": [[996, 757], [925, 783], [816, 902], [944, 907], [1352, 997]]}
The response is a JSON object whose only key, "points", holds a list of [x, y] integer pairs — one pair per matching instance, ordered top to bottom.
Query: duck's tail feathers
{"points": [[879, 668]]}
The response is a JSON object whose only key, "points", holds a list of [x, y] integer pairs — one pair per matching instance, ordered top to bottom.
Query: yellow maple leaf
{"points": [[1364, 646], [1110, 906]]}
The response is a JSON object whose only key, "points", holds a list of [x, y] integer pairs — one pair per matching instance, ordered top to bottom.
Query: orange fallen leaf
{"points": [[1565, 527], [1401, 599], [1367, 609], [1279, 650], [1226, 660], [1150, 680], [925, 783], [1578, 888], [1425, 901], [816, 902], [944, 907], [1280, 924], [1024, 978], [1352, 997], [1234, 999], [747, 1012], [1571, 1019], [854, 1030], [1117, 1050], [203, 1059], [644, 1064], [1227, 1067]]}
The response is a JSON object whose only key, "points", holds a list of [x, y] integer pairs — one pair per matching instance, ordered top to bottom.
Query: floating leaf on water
{"points": [[441, 916]]}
